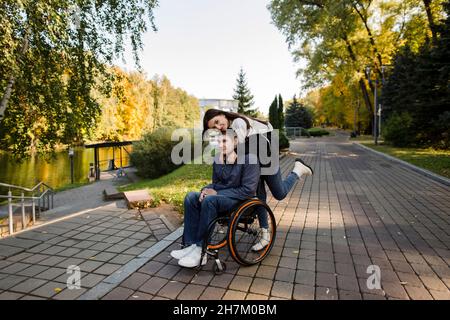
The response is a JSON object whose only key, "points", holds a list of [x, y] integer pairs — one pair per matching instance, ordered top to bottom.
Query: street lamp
{"points": [[375, 109], [71, 154]]}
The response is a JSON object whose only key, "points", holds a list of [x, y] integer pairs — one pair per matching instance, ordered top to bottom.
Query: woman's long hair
{"points": [[211, 113]]}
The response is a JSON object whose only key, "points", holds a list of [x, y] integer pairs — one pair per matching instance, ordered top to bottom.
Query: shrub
{"points": [[398, 129], [441, 131], [318, 132], [305, 133], [284, 141], [151, 155]]}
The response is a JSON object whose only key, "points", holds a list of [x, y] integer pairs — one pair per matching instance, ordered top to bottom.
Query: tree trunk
{"points": [[427, 4], [371, 39], [12, 78], [362, 84], [365, 94], [7, 95], [367, 102]]}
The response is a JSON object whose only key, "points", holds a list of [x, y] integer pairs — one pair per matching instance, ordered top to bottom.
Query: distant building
{"points": [[221, 104]]}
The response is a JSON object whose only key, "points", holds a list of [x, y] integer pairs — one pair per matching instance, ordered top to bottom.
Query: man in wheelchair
{"points": [[232, 182]]}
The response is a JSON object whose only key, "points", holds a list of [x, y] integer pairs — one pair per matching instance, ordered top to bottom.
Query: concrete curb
{"points": [[424, 172], [113, 280]]}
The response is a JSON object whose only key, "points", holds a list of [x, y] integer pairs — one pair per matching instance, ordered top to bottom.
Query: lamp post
{"points": [[383, 81], [375, 103], [377, 106], [71, 153]]}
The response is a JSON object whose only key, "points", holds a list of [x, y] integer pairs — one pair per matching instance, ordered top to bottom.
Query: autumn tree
{"points": [[338, 39], [55, 54], [140, 105]]}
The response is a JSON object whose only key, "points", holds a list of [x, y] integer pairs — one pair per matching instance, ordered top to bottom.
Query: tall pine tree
{"points": [[419, 86], [243, 95], [280, 112], [273, 114], [297, 115]]}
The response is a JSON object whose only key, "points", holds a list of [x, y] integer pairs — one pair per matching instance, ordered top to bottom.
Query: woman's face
{"points": [[219, 122]]}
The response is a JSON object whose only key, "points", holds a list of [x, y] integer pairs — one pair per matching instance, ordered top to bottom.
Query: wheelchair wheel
{"points": [[245, 232], [218, 234], [216, 269]]}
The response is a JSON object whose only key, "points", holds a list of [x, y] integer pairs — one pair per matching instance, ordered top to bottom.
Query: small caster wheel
{"points": [[216, 269]]}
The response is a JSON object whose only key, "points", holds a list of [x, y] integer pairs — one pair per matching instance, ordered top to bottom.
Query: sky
{"points": [[201, 45]]}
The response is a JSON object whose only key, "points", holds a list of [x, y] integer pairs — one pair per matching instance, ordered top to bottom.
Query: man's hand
{"points": [[206, 192]]}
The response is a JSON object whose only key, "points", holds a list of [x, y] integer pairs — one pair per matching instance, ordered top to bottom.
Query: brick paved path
{"points": [[78, 199], [357, 210], [34, 263]]}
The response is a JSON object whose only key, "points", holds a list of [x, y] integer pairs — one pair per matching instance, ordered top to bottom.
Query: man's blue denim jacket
{"points": [[237, 181]]}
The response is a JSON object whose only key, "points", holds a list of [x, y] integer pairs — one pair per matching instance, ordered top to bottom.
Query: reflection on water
{"points": [[56, 172]]}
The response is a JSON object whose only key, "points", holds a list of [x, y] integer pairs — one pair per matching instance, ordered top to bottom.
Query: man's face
{"points": [[226, 143]]}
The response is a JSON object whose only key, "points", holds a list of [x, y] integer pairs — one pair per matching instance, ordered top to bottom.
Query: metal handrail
{"points": [[296, 130], [25, 189], [47, 193], [20, 197]]}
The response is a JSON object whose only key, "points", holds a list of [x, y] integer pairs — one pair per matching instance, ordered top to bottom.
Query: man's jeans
{"points": [[279, 188], [198, 215]]}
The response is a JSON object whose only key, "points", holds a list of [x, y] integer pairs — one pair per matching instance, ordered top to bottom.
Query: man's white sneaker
{"points": [[300, 168], [263, 241], [178, 254], [192, 259]]}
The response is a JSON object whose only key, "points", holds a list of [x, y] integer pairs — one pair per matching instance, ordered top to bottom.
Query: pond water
{"points": [[56, 172]]}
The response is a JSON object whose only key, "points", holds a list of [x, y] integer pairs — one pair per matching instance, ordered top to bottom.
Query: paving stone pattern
{"points": [[358, 210], [34, 264]]}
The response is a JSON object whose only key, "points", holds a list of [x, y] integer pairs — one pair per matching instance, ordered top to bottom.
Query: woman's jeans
{"points": [[279, 188], [198, 215]]}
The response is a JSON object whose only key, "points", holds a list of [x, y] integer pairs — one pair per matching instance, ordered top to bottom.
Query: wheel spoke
{"points": [[247, 232]]}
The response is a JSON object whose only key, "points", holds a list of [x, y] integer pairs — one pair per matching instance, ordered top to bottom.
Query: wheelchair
{"points": [[239, 230]]}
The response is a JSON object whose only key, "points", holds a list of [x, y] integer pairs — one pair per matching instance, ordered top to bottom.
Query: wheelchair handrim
{"points": [[233, 226]]}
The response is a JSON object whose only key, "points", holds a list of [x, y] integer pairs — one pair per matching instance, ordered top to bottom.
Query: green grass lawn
{"points": [[363, 138], [437, 161], [71, 186], [173, 187]]}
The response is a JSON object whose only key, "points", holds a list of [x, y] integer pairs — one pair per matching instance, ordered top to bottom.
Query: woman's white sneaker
{"points": [[300, 168], [178, 254], [192, 259]]}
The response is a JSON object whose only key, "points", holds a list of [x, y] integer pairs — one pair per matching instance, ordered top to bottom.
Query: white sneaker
{"points": [[300, 168], [263, 241], [178, 254], [192, 259]]}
